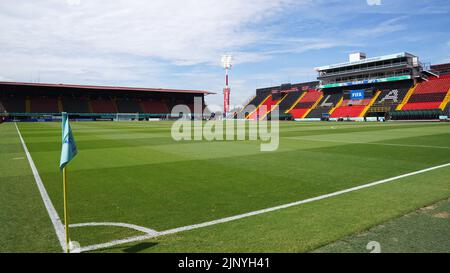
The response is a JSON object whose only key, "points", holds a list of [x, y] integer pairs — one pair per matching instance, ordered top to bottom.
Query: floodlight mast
{"points": [[226, 64]]}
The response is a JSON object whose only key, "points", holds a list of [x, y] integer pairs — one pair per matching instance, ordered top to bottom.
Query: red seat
{"points": [[439, 85], [428, 95], [305, 103], [43, 105], [422, 105], [103, 106], [154, 107], [264, 108], [348, 111], [298, 113]]}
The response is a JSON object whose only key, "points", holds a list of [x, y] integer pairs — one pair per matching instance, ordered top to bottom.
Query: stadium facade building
{"points": [[396, 86], [25, 101]]}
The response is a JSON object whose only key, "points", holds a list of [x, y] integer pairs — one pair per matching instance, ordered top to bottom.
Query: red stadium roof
{"points": [[108, 88]]}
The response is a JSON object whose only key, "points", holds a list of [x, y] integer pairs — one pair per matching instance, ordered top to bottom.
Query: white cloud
{"points": [[373, 2], [385, 27], [181, 32], [135, 43], [160, 43], [5, 79]]}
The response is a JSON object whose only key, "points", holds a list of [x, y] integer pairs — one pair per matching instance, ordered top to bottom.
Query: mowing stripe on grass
{"points": [[370, 143], [240, 216], [56, 221]]}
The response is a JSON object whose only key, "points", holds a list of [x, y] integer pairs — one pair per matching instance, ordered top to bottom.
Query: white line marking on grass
{"points": [[370, 143], [240, 216], [57, 224], [131, 226]]}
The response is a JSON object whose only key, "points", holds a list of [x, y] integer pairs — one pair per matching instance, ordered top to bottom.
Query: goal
{"points": [[126, 117]]}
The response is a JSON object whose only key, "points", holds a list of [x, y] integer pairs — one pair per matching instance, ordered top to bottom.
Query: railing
{"points": [[362, 69], [368, 78]]}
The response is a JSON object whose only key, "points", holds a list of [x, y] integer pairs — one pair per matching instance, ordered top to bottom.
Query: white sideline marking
{"points": [[370, 143], [240, 216], [54, 217], [57, 224], [131, 226]]}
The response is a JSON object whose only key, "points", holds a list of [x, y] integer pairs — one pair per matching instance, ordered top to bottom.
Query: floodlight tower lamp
{"points": [[226, 64]]}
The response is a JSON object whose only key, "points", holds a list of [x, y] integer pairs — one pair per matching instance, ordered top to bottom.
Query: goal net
{"points": [[127, 117]]}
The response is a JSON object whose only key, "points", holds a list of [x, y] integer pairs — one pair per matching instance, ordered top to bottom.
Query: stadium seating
{"points": [[437, 85], [431, 94], [391, 96], [427, 97], [257, 100], [289, 100], [254, 102], [305, 103], [13, 104], [75, 104], [44, 105], [325, 105], [421, 105], [103, 106], [128, 106], [154, 107], [264, 108], [351, 108], [347, 111]]}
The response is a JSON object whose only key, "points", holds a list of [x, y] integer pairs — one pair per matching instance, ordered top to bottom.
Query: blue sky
{"points": [[178, 44]]}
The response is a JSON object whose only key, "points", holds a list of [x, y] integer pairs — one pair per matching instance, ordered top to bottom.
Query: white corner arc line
{"points": [[240, 216], [56, 221], [130, 226]]}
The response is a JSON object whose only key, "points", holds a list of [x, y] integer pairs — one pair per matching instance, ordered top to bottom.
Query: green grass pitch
{"points": [[133, 172]]}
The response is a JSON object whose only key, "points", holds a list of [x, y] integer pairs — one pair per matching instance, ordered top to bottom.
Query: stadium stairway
{"points": [[406, 98], [374, 99], [254, 101], [289, 101], [445, 101], [89, 103], [305, 104], [27, 105], [272, 105], [337, 105], [60, 106], [264, 108], [447, 109], [254, 113]]}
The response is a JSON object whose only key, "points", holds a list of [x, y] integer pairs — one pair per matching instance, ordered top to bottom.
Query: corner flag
{"points": [[69, 148], [68, 152]]}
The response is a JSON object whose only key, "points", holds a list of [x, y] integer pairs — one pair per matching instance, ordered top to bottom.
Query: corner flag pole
{"points": [[68, 152], [66, 211]]}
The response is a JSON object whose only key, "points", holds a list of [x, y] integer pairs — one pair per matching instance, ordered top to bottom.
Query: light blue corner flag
{"points": [[69, 148]]}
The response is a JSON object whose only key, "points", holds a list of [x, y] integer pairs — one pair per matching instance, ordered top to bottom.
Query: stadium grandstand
{"points": [[395, 86], [43, 101]]}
